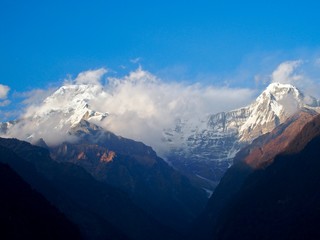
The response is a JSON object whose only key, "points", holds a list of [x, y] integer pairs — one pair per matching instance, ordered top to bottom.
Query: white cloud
{"points": [[286, 72], [304, 74], [91, 76], [4, 90], [36, 96], [147, 96], [141, 105], [29, 130]]}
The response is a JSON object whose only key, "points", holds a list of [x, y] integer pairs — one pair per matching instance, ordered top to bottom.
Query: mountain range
{"points": [[203, 150], [112, 187]]}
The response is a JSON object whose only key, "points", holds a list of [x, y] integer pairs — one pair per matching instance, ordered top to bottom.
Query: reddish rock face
{"points": [[288, 138], [83, 152], [107, 157]]}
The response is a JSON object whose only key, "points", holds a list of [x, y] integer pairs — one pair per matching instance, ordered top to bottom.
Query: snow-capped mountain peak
{"points": [[279, 89], [277, 92], [71, 103], [272, 107], [54, 118], [213, 145]]}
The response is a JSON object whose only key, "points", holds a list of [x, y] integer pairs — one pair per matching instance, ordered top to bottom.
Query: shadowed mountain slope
{"points": [[255, 165], [134, 168], [280, 202], [100, 211], [26, 214]]}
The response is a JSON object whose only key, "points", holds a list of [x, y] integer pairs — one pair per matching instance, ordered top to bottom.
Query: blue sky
{"points": [[214, 42]]}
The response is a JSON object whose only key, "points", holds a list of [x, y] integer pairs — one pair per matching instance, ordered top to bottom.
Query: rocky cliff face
{"points": [[262, 151]]}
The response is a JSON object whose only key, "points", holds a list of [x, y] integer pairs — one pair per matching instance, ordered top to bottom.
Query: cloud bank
{"points": [[90, 77], [140, 105]]}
